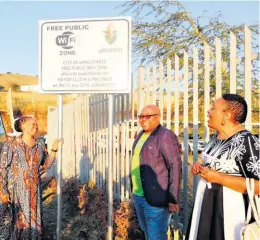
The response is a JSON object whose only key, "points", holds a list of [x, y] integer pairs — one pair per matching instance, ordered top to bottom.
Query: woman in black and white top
{"points": [[231, 156]]}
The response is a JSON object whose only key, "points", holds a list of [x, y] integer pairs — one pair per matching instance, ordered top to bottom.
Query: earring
{"points": [[223, 123]]}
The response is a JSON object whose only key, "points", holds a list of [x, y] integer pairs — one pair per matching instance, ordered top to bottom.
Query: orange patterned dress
{"points": [[20, 170]]}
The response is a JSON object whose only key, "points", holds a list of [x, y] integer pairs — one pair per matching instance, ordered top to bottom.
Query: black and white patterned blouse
{"points": [[237, 155], [220, 212]]}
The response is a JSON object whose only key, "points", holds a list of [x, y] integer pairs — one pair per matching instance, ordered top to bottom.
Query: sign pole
{"points": [[69, 62], [59, 166], [110, 169]]}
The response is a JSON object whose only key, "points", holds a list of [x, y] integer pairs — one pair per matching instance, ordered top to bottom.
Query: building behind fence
{"points": [[181, 87]]}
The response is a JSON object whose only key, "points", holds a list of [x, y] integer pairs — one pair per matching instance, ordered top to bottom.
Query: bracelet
{"points": [[54, 150]]}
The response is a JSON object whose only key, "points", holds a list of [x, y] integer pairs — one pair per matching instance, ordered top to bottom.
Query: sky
{"points": [[19, 23]]}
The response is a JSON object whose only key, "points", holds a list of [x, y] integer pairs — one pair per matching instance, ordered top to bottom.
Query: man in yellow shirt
{"points": [[155, 174]]}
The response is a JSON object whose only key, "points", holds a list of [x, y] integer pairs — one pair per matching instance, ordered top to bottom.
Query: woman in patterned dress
{"points": [[231, 156], [21, 164]]}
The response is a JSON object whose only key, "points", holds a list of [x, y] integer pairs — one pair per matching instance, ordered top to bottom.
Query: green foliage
{"points": [[162, 29]]}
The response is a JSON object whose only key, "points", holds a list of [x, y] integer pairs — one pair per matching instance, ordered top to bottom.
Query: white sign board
{"points": [[85, 55], [30, 88]]}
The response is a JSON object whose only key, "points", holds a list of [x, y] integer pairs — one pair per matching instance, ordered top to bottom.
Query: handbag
{"points": [[251, 231]]}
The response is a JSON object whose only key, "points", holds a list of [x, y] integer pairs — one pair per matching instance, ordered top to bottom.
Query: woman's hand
{"points": [[55, 145], [195, 168], [210, 175], [5, 198], [173, 208]]}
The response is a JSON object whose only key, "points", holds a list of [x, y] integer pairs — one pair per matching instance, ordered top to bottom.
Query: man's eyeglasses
{"points": [[146, 117]]}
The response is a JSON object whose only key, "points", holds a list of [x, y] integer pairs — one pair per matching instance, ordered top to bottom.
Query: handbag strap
{"points": [[252, 205]]}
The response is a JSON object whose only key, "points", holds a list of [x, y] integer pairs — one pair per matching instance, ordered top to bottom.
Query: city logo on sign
{"points": [[110, 34], [67, 40]]}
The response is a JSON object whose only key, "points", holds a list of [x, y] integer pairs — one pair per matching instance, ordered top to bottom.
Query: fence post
{"points": [[233, 63], [218, 68], [248, 80], [154, 86], [161, 90], [206, 91], [169, 93], [176, 96], [140, 98], [195, 115], [186, 132], [122, 161], [118, 163], [110, 166], [127, 172]]}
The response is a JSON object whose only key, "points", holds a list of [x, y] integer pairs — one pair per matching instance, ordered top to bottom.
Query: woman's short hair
{"points": [[237, 105], [19, 121]]}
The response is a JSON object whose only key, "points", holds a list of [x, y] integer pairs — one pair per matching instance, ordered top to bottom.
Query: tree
{"points": [[162, 29], [15, 87]]}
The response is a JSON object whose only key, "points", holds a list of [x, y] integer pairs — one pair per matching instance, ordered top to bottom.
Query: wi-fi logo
{"points": [[67, 40]]}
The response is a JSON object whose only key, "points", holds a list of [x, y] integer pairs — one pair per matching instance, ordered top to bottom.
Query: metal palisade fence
{"points": [[182, 87]]}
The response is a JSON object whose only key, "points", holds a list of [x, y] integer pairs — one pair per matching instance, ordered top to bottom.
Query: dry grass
{"points": [[7, 80], [29, 103], [85, 209], [75, 223], [91, 223]]}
